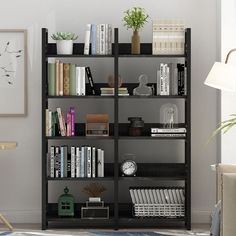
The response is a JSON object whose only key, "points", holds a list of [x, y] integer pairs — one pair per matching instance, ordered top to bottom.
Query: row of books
{"points": [[168, 37], [100, 38], [68, 79], [172, 79], [122, 91], [57, 125], [168, 132], [78, 162], [157, 195]]}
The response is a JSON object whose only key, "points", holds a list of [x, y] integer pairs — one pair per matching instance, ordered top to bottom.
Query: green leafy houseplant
{"points": [[135, 19], [64, 36], [64, 42], [225, 126]]}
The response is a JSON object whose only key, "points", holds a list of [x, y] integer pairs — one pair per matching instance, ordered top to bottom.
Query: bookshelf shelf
{"points": [[156, 174]]}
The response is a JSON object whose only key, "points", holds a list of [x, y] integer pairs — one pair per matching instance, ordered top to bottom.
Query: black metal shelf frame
{"points": [[121, 215]]}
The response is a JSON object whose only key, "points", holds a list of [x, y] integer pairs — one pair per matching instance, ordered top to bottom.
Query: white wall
{"points": [[228, 37], [20, 169]]}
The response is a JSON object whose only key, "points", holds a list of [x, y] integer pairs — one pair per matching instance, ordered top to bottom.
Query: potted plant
{"points": [[135, 19], [64, 42]]}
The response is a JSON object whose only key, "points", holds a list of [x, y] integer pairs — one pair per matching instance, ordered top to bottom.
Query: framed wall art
{"points": [[13, 72]]}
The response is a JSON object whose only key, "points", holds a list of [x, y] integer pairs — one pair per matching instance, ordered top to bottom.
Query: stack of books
{"points": [[100, 37], [168, 37], [66, 79], [172, 79], [111, 91], [59, 124], [168, 132], [78, 162]]}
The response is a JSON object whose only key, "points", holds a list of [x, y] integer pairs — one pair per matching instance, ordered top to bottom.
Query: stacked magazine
{"points": [[168, 132], [158, 202]]}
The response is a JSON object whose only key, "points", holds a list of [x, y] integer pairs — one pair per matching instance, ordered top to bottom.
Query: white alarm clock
{"points": [[128, 168]]}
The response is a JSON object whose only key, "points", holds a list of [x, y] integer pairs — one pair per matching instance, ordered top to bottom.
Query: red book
{"points": [[68, 124]]}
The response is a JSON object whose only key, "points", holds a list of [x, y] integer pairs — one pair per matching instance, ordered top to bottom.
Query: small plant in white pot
{"points": [[64, 42]]}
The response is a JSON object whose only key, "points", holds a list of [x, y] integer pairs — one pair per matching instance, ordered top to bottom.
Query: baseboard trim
{"points": [[34, 216]]}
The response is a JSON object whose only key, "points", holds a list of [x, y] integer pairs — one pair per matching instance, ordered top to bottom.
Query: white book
{"points": [[87, 39], [102, 39], [109, 39], [78, 81], [83, 81], [47, 122], [50, 123], [168, 130], [181, 135], [102, 153], [73, 157], [52, 161], [62, 162], [82, 162], [89, 162], [93, 162], [77, 163], [99, 163], [132, 196]]}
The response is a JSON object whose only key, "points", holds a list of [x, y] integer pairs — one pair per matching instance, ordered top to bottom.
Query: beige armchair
{"points": [[226, 192]]}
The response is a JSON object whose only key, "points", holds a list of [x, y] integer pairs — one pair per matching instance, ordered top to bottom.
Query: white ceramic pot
{"points": [[65, 47]]}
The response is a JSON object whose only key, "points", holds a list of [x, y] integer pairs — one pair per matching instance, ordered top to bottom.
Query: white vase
{"points": [[65, 47]]}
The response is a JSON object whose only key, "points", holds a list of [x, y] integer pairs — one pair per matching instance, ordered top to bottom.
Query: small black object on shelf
{"points": [[136, 126]]}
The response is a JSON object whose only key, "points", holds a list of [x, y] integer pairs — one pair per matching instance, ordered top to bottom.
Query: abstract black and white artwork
{"points": [[12, 72]]}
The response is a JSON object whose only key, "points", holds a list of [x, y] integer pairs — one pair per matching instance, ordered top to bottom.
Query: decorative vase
{"points": [[65, 47], [135, 47]]}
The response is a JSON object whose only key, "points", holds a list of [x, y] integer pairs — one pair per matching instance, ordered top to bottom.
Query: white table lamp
{"points": [[222, 75]]}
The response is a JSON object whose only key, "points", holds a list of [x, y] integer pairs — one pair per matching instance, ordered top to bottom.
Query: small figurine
{"points": [[143, 89]]}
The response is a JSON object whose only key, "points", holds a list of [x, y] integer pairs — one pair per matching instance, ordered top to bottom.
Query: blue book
{"points": [[93, 38]]}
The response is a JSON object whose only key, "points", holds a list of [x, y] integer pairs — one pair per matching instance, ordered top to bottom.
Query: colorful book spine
{"points": [[87, 39], [57, 77], [51, 79], [61, 79], [66, 79], [72, 83], [72, 111], [61, 122], [68, 124], [52, 159]]}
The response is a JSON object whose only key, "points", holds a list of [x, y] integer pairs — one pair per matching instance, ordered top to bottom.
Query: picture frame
{"points": [[13, 72]]}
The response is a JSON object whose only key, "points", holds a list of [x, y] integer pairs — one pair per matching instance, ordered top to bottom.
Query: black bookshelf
{"points": [[121, 214]]}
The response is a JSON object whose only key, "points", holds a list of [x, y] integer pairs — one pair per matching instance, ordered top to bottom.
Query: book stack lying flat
{"points": [[168, 37], [111, 92], [168, 132], [75, 162], [158, 202]]}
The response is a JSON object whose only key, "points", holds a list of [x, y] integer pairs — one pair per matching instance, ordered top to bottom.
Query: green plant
{"points": [[135, 18], [64, 36], [225, 126]]}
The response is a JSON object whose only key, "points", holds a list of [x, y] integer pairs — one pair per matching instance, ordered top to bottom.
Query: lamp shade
{"points": [[222, 76]]}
